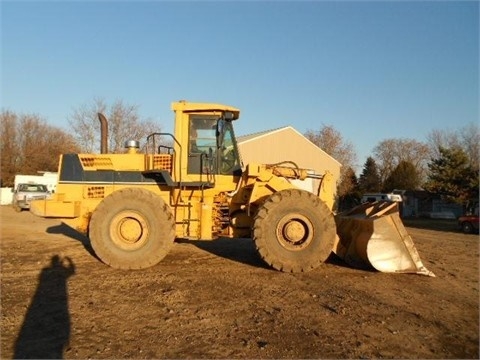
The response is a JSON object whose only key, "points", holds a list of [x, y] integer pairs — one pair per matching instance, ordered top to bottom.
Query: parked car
{"points": [[25, 193], [469, 221]]}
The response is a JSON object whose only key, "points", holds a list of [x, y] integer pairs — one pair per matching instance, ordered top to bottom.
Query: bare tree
{"points": [[124, 124], [85, 125], [437, 139], [31, 142], [470, 142], [333, 143], [41, 144], [30, 145], [8, 147], [391, 152]]}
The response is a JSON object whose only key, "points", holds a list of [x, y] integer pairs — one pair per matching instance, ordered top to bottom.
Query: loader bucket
{"points": [[373, 235]]}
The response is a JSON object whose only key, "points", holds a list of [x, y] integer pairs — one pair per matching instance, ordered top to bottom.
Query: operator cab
{"points": [[212, 147]]}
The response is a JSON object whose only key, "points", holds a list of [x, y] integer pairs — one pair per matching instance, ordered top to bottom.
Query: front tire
{"points": [[132, 229], [294, 231]]}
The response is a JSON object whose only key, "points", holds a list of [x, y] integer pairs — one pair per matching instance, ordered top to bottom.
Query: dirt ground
{"points": [[218, 300]]}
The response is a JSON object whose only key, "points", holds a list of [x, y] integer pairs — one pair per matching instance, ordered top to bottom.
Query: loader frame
{"points": [[192, 184]]}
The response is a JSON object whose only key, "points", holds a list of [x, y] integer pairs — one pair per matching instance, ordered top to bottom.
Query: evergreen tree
{"points": [[405, 176], [451, 176], [370, 179], [350, 196]]}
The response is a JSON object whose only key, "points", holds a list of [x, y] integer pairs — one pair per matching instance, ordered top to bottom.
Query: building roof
{"points": [[255, 136], [245, 138]]}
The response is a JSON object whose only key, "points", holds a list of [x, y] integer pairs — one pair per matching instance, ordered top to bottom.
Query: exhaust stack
{"points": [[103, 133]]}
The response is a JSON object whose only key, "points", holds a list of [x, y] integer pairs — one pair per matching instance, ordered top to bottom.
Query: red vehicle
{"points": [[469, 222]]}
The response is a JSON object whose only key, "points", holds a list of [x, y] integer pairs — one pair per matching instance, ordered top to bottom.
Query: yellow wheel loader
{"points": [[191, 184]]}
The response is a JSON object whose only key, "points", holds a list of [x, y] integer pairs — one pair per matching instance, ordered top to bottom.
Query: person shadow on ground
{"points": [[45, 330]]}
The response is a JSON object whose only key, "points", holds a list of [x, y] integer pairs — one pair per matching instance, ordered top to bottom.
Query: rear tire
{"points": [[467, 227], [132, 229], [294, 231]]}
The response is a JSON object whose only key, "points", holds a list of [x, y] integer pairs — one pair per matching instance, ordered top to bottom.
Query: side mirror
{"points": [[228, 116]]}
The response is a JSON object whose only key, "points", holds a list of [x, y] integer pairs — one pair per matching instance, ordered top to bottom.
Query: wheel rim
{"points": [[129, 230], [294, 232]]}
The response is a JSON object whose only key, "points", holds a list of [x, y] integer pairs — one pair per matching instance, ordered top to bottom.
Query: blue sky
{"points": [[374, 70]]}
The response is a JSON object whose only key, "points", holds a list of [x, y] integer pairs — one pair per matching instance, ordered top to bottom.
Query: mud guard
{"points": [[373, 235]]}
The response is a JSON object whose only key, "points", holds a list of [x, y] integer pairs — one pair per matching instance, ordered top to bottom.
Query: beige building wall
{"points": [[287, 144]]}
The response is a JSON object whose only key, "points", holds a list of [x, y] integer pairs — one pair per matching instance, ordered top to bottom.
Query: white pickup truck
{"points": [[23, 194], [381, 197]]}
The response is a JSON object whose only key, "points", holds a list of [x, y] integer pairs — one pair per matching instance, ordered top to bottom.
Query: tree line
{"points": [[28, 144], [446, 164]]}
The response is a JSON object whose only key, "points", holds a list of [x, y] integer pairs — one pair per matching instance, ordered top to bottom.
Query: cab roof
{"points": [[186, 106]]}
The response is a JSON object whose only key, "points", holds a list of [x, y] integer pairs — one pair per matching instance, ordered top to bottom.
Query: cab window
{"points": [[202, 142], [229, 159]]}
